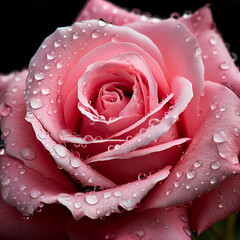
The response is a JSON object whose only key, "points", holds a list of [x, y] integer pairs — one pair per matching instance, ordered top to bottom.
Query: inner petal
{"points": [[112, 99]]}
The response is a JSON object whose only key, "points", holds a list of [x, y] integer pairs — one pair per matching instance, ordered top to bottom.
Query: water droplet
{"points": [[102, 22], [95, 34], [75, 35], [114, 38], [213, 41], [57, 43], [198, 51], [51, 55], [59, 64], [224, 66], [39, 76], [60, 80], [45, 91], [36, 103], [214, 105], [5, 110], [237, 112], [153, 122], [6, 132], [219, 137], [117, 147], [60, 150], [28, 153], [75, 163], [197, 163], [215, 165], [179, 173], [191, 174], [142, 176], [6, 180], [213, 180], [177, 183], [169, 191], [35, 193], [117, 194], [107, 195], [92, 199], [77, 204], [220, 205], [183, 218], [187, 231], [140, 233], [110, 236]]}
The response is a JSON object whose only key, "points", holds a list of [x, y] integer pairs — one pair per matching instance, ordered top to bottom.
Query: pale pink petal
{"points": [[96, 9], [64, 48], [182, 57], [218, 63], [4, 81], [182, 89], [19, 136], [212, 156], [66, 159], [25, 188], [104, 203], [216, 205], [51, 218], [151, 224]]}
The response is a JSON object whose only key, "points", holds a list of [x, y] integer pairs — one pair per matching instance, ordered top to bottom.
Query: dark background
{"points": [[25, 24]]}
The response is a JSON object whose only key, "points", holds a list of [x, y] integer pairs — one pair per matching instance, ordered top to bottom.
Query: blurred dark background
{"points": [[25, 24]]}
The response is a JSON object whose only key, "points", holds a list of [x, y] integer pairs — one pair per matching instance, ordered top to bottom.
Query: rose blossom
{"points": [[130, 122]]}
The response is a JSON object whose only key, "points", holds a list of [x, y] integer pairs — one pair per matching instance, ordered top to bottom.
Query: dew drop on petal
{"points": [[95, 34], [213, 41], [198, 51], [224, 66], [39, 76], [36, 103], [219, 137], [60, 150], [28, 153], [75, 163], [197, 163], [215, 165], [191, 174], [35, 193], [117, 194], [92, 199], [77, 204], [187, 231]]}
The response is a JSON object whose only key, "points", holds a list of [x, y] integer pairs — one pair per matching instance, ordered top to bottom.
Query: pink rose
{"points": [[128, 125]]}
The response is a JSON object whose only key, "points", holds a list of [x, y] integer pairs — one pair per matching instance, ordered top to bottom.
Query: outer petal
{"points": [[95, 9], [64, 48], [182, 57], [218, 63], [4, 81], [14, 127], [212, 156], [24, 188], [104, 203], [216, 205], [153, 224], [14, 226]]}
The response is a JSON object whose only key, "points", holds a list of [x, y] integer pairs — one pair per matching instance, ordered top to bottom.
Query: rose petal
{"points": [[96, 9], [174, 41], [62, 49], [218, 63], [4, 81], [182, 89], [14, 127], [212, 156], [67, 160], [140, 163], [25, 188], [103, 203], [217, 205], [151, 224], [14, 226]]}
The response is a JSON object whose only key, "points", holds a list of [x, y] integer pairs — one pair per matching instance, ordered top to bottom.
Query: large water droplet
{"points": [[101, 22], [95, 34], [213, 41], [198, 51], [51, 55], [224, 66], [39, 76], [36, 103], [219, 137], [60, 150], [28, 153], [75, 163], [215, 165], [191, 174], [6, 180], [213, 180], [35, 193], [117, 194], [92, 199], [77, 204], [187, 231]]}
